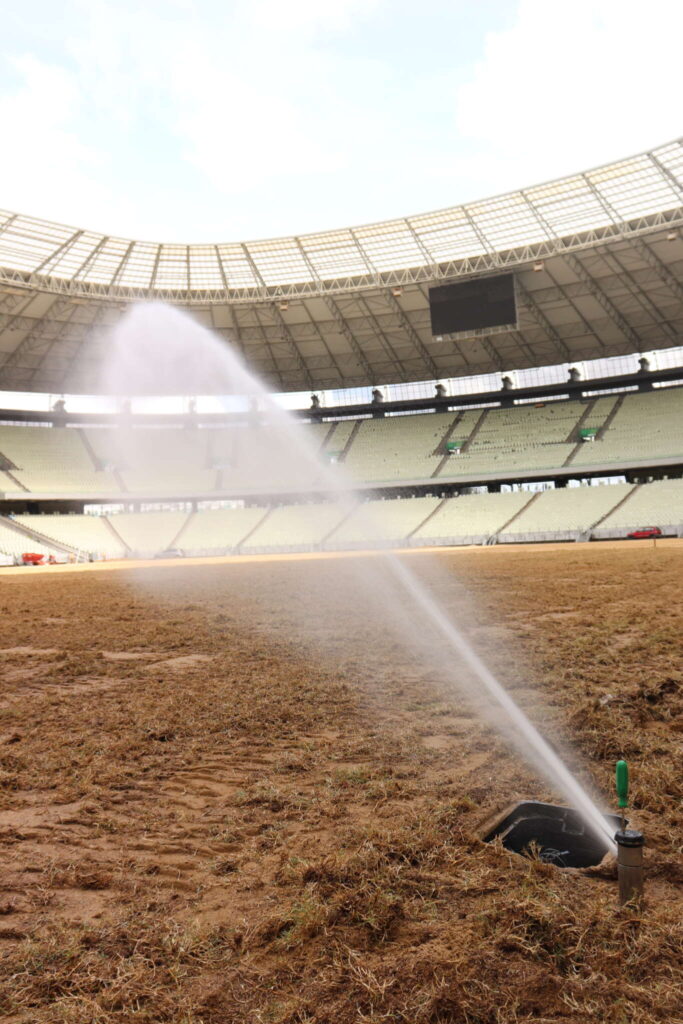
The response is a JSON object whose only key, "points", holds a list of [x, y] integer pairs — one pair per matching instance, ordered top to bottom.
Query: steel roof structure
{"points": [[597, 258]]}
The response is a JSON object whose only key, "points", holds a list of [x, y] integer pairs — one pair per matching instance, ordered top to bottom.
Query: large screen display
{"points": [[473, 305]]}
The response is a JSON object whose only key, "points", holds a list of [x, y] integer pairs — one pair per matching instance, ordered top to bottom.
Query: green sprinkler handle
{"points": [[622, 783]]}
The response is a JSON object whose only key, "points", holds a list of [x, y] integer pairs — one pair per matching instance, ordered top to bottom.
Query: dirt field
{"points": [[210, 816]]}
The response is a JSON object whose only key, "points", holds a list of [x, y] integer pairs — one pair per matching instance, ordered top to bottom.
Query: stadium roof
{"points": [[598, 261]]}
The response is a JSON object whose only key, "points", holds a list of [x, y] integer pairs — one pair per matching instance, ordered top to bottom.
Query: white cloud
{"points": [[309, 17], [569, 86], [253, 112], [218, 119], [43, 153], [50, 167]]}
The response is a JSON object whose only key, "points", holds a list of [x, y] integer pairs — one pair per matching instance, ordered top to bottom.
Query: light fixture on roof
{"points": [[672, 236], [538, 265], [397, 291], [283, 304]]}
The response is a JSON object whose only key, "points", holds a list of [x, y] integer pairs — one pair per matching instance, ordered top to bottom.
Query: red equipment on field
{"points": [[644, 532], [32, 558]]}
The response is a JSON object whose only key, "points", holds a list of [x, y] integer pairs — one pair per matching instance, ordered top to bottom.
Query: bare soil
{"points": [[209, 815]]}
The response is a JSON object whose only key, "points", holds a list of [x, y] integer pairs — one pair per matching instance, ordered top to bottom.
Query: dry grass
{"points": [[273, 834]]}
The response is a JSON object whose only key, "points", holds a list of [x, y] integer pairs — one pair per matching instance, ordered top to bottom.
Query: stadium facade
{"points": [[594, 266]]}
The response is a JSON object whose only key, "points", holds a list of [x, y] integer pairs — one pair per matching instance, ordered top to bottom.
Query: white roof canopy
{"points": [[605, 198], [597, 259]]}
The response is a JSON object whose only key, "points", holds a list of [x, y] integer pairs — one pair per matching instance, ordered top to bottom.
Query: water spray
{"points": [[156, 349], [528, 738], [630, 843]]}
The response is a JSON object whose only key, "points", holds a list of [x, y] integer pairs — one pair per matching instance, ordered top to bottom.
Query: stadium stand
{"points": [[598, 412], [645, 426], [317, 433], [523, 437], [339, 438], [400, 447], [250, 458], [53, 460], [164, 462], [179, 462], [174, 464], [7, 484], [656, 504], [567, 510], [513, 516], [471, 518], [386, 522], [295, 527], [217, 530], [83, 533], [146, 533], [14, 543]]}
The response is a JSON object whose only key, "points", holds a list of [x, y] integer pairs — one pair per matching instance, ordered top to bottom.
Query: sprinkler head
{"points": [[630, 845]]}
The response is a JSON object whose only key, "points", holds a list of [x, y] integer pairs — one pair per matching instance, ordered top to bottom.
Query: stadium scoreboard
{"points": [[473, 305]]}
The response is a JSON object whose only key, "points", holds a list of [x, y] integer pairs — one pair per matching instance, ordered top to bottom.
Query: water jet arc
{"points": [[156, 349]]}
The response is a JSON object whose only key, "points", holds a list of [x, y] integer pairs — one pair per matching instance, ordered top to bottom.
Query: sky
{"points": [[225, 120]]}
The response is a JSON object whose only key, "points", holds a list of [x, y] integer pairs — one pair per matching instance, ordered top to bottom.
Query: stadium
{"points": [[595, 263], [236, 783]]}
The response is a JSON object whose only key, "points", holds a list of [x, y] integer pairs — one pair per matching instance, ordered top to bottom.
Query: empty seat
{"points": [[646, 426], [518, 439], [398, 447], [54, 460], [165, 462], [657, 504], [568, 509], [472, 516], [383, 522], [295, 526], [218, 530], [147, 533], [90, 534], [14, 543]]}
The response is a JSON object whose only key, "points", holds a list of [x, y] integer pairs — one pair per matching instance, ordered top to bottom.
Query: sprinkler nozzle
{"points": [[622, 783], [622, 790], [630, 845]]}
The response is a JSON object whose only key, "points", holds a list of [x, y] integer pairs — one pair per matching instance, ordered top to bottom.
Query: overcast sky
{"points": [[220, 120]]}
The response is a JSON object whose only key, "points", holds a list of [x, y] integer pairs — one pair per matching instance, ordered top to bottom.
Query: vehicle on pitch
{"points": [[644, 532], [32, 558]]}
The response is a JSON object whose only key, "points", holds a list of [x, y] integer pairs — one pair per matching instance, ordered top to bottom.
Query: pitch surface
{"points": [[205, 820]]}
